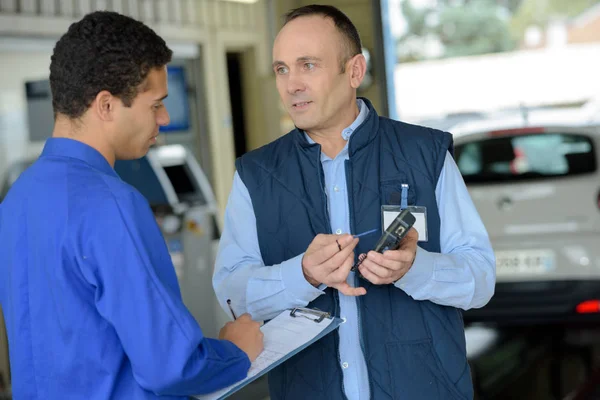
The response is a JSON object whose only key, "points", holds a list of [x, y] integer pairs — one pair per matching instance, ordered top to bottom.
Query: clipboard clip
{"points": [[309, 313]]}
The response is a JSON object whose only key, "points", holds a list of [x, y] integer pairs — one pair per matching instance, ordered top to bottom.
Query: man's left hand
{"points": [[386, 268]]}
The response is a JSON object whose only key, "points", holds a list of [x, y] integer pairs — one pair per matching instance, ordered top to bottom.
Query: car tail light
{"points": [[588, 307]]}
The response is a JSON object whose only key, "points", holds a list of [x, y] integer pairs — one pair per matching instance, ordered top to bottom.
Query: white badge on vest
{"points": [[389, 213]]}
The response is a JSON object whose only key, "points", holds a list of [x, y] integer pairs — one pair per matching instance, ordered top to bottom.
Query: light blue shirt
{"points": [[463, 275]]}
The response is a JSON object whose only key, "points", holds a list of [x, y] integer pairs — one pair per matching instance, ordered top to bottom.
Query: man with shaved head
{"points": [[297, 204]]}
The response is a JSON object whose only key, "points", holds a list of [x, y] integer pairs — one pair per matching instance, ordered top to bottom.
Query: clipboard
{"points": [[284, 336]]}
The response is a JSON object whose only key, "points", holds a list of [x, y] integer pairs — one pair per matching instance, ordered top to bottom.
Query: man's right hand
{"points": [[325, 263], [245, 334]]}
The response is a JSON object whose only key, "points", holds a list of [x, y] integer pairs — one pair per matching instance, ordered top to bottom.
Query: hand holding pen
{"points": [[328, 260], [244, 333]]}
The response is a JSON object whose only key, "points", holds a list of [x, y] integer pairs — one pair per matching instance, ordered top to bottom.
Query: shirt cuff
{"points": [[420, 274], [295, 283]]}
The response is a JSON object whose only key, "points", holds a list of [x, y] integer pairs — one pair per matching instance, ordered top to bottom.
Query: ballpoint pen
{"points": [[366, 233], [231, 309]]}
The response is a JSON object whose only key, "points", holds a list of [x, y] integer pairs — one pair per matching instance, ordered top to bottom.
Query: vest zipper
{"points": [[348, 171], [324, 192], [336, 300]]}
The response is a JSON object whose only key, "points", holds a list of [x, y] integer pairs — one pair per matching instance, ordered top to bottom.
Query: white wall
{"points": [[214, 25], [18, 66], [492, 82]]}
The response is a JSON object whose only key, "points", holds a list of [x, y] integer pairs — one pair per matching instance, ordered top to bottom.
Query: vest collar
{"points": [[360, 138]]}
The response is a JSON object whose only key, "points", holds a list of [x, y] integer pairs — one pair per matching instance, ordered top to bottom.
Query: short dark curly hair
{"points": [[103, 51]]}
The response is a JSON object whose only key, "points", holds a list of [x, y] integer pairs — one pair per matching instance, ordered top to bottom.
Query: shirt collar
{"points": [[363, 112], [70, 148]]}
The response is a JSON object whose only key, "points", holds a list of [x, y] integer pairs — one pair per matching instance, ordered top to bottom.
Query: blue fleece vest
{"points": [[413, 349]]}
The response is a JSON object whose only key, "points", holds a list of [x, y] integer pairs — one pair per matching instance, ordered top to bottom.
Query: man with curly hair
{"points": [[92, 303]]}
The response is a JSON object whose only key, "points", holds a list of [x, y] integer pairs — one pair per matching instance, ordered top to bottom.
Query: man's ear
{"points": [[358, 68], [104, 105]]}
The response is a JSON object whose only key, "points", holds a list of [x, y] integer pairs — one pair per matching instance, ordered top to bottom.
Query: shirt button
{"points": [[336, 188], [339, 231], [343, 320], [345, 365]]}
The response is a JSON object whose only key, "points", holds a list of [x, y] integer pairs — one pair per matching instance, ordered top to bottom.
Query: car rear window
{"points": [[525, 157]]}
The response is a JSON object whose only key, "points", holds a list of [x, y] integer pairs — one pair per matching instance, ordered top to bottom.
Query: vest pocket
{"points": [[391, 192], [446, 328], [415, 374]]}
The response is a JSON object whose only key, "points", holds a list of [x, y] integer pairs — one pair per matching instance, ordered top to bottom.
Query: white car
{"points": [[535, 181]]}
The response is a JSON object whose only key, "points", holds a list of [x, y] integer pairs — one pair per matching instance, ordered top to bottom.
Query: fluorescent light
{"points": [[242, 1]]}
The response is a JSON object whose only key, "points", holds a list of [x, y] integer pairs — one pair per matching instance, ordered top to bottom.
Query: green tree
{"points": [[540, 12], [458, 27], [477, 27], [409, 47]]}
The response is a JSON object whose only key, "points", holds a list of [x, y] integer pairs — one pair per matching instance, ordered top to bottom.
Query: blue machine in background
{"points": [[177, 103], [139, 173]]}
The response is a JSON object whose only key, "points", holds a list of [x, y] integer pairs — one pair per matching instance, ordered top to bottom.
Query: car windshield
{"points": [[523, 157]]}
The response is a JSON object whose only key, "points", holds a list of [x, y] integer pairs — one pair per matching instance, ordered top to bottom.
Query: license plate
{"points": [[524, 262]]}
